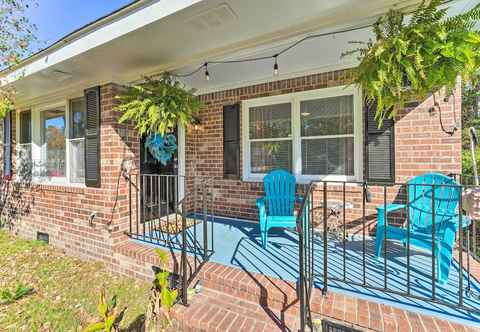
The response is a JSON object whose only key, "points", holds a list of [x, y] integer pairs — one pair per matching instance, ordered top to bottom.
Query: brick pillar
{"points": [[120, 155]]}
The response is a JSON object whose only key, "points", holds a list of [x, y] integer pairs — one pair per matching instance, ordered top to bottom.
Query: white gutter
{"points": [[131, 18]]}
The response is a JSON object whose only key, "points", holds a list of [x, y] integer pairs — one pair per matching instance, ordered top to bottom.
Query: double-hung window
{"points": [[270, 134], [315, 135], [52, 138], [77, 140], [24, 147], [53, 151]]}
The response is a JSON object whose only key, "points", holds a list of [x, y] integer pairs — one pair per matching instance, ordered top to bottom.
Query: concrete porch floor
{"points": [[236, 244]]}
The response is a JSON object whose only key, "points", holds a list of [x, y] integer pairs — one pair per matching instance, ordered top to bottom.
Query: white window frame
{"points": [[294, 99], [36, 123], [71, 140], [21, 146]]}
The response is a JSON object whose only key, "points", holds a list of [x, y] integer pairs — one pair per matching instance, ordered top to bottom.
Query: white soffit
{"points": [[133, 21], [180, 35]]}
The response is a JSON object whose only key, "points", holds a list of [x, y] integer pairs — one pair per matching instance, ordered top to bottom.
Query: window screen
{"points": [[270, 132], [327, 136]]}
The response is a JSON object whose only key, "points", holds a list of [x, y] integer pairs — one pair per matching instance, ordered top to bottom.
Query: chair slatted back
{"points": [[279, 186], [447, 194]]}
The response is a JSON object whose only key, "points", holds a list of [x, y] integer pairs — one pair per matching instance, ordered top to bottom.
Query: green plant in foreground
{"points": [[412, 57], [156, 106], [167, 296], [7, 297], [110, 317]]}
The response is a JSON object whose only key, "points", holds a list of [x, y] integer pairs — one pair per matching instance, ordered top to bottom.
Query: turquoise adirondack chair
{"points": [[419, 190], [277, 208]]}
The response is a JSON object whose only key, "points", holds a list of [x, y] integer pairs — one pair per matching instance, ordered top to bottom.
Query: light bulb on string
{"points": [[275, 67], [207, 74]]}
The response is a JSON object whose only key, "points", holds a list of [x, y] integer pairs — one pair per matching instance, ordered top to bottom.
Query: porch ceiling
{"points": [[182, 37]]}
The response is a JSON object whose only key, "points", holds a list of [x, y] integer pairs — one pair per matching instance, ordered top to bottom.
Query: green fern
{"points": [[428, 51], [158, 105]]}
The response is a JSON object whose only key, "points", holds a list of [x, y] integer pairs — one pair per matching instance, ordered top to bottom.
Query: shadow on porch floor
{"points": [[236, 244]]}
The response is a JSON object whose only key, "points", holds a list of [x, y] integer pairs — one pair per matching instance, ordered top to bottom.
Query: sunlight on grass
{"points": [[65, 289]]}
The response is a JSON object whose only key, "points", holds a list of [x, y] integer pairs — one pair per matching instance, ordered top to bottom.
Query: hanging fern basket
{"points": [[412, 57], [155, 107]]}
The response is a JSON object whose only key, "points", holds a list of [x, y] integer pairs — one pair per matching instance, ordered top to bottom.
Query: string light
{"points": [[281, 52], [275, 66], [207, 74]]}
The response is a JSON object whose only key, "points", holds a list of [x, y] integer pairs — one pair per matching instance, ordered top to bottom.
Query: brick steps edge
{"points": [[280, 296], [210, 310]]}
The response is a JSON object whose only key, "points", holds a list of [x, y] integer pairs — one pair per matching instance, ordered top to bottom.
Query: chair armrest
{"points": [[299, 199], [260, 202], [390, 207], [466, 221]]}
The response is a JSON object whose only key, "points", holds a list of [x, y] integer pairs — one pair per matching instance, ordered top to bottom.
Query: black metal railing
{"points": [[161, 214], [337, 227], [306, 257]]}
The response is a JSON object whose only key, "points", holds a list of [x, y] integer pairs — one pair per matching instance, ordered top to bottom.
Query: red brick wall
{"points": [[420, 144], [63, 211]]}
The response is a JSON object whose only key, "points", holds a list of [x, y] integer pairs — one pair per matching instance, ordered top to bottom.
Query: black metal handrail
{"points": [[158, 208]]}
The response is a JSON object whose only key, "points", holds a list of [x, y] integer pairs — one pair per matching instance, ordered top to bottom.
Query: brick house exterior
{"points": [[420, 144], [92, 188], [65, 212]]}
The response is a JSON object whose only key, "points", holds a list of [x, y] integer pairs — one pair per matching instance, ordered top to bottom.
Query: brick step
{"points": [[258, 288], [277, 296], [211, 310]]}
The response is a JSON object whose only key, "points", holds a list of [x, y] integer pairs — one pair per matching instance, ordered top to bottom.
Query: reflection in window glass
{"points": [[327, 116], [77, 118], [321, 119], [272, 121], [53, 132], [270, 137], [77, 140], [24, 146], [266, 156], [327, 156], [77, 160]]}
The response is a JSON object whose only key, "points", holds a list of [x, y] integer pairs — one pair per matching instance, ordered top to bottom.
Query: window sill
{"points": [[302, 179], [58, 187], [66, 187]]}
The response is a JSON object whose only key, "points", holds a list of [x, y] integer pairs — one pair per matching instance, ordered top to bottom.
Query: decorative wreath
{"points": [[162, 148]]}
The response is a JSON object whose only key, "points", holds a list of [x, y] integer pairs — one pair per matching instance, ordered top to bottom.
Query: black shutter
{"points": [[92, 137], [231, 141], [7, 146], [380, 146]]}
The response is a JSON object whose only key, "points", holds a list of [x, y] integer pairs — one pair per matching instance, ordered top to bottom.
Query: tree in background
{"points": [[17, 35], [470, 118]]}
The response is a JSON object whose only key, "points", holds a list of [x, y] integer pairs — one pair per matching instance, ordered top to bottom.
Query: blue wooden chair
{"points": [[446, 199], [277, 208]]}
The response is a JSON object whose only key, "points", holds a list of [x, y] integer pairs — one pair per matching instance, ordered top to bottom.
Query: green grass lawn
{"points": [[66, 289]]}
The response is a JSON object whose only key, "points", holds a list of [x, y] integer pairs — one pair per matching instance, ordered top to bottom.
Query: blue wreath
{"points": [[162, 148]]}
